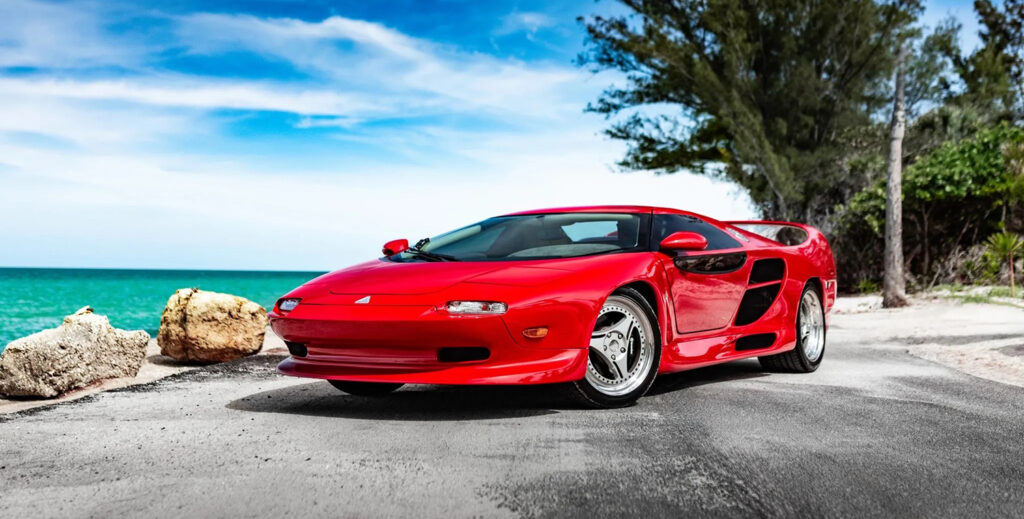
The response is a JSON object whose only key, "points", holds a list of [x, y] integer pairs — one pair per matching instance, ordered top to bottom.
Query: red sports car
{"points": [[599, 299]]}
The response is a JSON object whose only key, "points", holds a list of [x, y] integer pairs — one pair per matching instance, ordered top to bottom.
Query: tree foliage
{"points": [[990, 78], [767, 94], [788, 99], [952, 198]]}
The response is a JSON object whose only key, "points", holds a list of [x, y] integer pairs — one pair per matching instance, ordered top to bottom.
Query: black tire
{"points": [[796, 360], [365, 388], [584, 393]]}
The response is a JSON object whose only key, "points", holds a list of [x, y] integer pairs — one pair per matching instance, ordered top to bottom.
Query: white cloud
{"points": [[524, 22], [206, 32], [65, 35], [387, 62], [197, 93], [89, 126], [118, 192]]}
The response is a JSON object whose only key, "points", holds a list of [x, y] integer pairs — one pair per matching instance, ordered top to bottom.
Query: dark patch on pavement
{"points": [[953, 340], [1016, 350], [256, 366], [674, 474]]}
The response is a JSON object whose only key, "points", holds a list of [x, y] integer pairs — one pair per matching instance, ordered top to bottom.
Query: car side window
{"points": [[666, 224]]}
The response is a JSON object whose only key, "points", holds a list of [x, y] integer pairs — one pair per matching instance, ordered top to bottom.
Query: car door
{"points": [[706, 286]]}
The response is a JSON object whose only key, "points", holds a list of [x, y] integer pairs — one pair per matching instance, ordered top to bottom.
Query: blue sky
{"points": [[299, 135]]}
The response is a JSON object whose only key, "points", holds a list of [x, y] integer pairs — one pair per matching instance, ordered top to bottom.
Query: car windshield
{"points": [[535, 236]]}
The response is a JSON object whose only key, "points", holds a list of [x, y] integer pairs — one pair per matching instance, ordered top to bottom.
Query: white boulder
{"points": [[84, 349]]}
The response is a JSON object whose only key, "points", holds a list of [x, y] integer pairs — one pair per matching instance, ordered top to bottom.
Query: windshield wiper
{"points": [[417, 251]]}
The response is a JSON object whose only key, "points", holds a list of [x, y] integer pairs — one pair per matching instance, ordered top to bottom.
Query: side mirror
{"points": [[684, 240], [395, 247]]}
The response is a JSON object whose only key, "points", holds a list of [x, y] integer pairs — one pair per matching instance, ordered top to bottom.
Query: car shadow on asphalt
{"points": [[735, 370], [411, 403], [447, 403]]}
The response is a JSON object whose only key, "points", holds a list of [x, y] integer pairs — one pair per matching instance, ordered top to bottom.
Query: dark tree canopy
{"points": [[766, 94]]}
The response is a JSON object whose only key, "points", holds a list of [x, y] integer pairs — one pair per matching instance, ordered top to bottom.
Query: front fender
{"points": [[568, 304]]}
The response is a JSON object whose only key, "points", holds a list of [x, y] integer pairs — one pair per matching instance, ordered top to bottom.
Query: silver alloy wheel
{"points": [[811, 326], [621, 351]]}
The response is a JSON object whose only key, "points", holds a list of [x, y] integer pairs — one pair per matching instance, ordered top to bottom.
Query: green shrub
{"points": [[1006, 246], [867, 286]]}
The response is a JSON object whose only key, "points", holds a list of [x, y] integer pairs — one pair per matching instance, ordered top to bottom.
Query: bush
{"points": [[970, 266], [867, 286]]}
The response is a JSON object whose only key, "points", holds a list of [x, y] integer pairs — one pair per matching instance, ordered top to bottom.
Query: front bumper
{"points": [[401, 343]]}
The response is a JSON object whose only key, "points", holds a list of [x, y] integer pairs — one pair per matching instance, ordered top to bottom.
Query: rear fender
{"points": [[813, 247]]}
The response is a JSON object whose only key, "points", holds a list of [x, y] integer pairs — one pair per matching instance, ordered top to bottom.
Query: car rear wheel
{"points": [[624, 353], [806, 356], [365, 388]]}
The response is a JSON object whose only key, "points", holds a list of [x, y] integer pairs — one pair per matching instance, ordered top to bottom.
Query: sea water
{"points": [[34, 299]]}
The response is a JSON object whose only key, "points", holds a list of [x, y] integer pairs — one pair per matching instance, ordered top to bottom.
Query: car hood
{"points": [[382, 277]]}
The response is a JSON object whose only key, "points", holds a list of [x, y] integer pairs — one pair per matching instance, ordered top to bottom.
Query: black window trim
{"points": [[655, 246]]}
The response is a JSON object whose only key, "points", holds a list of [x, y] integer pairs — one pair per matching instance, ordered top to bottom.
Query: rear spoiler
{"points": [[786, 233]]}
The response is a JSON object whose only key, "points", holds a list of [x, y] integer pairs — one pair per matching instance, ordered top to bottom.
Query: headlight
{"points": [[287, 305], [476, 307]]}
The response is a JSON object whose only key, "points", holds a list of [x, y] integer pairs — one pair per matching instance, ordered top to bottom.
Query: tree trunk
{"points": [[924, 238], [1013, 287], [894, 288]]}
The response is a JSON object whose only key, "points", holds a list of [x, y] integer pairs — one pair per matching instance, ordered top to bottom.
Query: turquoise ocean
{"points": [[34, 299]]}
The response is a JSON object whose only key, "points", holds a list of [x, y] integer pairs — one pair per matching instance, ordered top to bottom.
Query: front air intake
{"points": [[297, 349], [462, 354]]}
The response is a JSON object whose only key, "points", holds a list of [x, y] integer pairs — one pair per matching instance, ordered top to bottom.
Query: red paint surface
{"points": [[396, 336]]}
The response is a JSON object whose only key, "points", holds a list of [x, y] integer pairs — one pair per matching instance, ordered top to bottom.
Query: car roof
{"points": [[606, 209]]}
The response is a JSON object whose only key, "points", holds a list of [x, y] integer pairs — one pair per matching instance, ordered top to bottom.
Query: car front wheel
{"points": [[624, 353]]}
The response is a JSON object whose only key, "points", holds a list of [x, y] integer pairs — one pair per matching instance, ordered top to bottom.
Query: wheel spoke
{"points": [[624, 326], [612, 343], [603, 352]]}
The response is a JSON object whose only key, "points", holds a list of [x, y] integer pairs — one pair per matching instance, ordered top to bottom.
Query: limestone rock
{"points": [[207, 327], [82, 350]]}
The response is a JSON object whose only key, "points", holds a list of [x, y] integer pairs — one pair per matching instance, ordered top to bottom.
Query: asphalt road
{"points": [[875, 432]]}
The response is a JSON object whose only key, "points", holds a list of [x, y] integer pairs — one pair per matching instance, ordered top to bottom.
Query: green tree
{"points": [[991, 76], [767, 94], [952, 198]]}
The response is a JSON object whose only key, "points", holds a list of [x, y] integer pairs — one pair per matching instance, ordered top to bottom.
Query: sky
{"points": [[302, 135]]}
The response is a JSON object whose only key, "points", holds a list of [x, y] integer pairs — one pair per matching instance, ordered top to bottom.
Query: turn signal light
{"points": [[536, 333]]}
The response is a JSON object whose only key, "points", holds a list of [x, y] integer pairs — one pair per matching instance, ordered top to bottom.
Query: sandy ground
{"points": [[971, 342], [154, 367], [876, 431]]}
